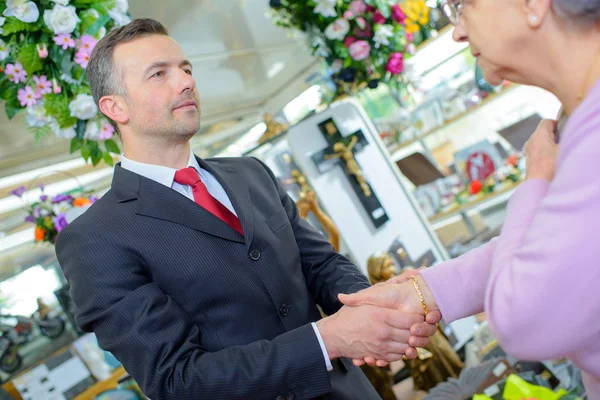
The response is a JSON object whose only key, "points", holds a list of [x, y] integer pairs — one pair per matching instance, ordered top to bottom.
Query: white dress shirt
{"points": [[166, 176]]}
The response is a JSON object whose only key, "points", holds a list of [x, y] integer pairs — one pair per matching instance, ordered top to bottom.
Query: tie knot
{"points": [[187, 176]]}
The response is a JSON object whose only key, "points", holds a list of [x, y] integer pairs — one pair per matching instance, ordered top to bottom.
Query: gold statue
{"points": [[273, 129], [345, 153], [308, 202], [437, 361]]}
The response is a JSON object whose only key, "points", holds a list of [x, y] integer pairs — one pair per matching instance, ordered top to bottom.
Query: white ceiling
{"points": [[244, 66]]}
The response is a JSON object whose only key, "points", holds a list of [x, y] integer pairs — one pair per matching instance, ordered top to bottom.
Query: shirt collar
{"points": [[161, 174]]}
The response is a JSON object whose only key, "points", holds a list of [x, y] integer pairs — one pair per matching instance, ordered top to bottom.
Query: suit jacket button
{"points": [[255, 255], [284, 310]]}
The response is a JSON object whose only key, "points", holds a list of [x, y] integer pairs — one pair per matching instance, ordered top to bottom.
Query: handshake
{"points": [[383, 323]]}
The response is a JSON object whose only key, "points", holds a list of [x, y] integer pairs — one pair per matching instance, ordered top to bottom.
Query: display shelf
{"points": [[449, 122], [460, 210]]}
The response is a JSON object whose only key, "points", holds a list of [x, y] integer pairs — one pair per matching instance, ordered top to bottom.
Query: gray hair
{"points": [[581, 11], [104, 78]]}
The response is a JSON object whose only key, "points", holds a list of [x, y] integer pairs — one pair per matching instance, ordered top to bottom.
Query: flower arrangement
{"points": [[364, 42], [45, 46], [49, 213]]}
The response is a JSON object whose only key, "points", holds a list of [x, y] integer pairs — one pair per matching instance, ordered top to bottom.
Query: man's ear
{"points": [[115, 108]]}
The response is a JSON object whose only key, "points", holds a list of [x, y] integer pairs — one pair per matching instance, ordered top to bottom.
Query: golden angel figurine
{"points": [[274, 129], [345, 153], [308, 202], [437, 361]]}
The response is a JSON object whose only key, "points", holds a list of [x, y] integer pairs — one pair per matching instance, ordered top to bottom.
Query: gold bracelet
{"points": [[416, 284]]}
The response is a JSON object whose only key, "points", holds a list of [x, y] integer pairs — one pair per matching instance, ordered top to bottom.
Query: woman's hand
{"points": [[541, 151]]}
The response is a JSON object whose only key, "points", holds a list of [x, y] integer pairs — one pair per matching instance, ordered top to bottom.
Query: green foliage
{"points": [[13, 25], [29, 57], [57, 105], [111, 146]]}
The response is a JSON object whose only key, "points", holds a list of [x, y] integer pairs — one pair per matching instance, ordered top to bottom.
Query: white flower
{"points": [[61, 2], [122, 6], [326, 8], [23, 10], [61, 19], [121, 19], [2, 21], [338, 29], [101, 33], [382, 35], [321, 49], [3, 50], [337, 66], [69, 79], [83, 107], [36, 115], [92, 131], [67, 133], [61, 207]]}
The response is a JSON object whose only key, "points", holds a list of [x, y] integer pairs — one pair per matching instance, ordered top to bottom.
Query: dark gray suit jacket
{"points": [[194, 310]]}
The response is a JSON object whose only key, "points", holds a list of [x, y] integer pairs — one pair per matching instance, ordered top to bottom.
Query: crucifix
{"points": [[341, 151]]}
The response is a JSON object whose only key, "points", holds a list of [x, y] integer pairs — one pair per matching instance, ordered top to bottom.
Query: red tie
{"points": [[189, 176]]}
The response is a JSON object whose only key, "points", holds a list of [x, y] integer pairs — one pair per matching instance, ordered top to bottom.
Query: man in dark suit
{"points": [[198, 275]]}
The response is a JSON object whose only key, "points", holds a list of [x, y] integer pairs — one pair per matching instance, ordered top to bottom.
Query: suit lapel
{"points": [[238, 191], [158, 201]]}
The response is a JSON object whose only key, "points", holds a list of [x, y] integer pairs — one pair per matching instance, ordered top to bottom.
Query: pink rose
{"points": [[358, 7], [397, 14], [378, 17], [362, 24], [410, 37], [349, 40], [359, 50], [395, 64]]}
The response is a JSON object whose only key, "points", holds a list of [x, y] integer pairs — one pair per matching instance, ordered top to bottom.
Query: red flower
{"points": [[370, 8], [397, 14], [378, 17], [349, 40], [395, 64], [475, 187]]}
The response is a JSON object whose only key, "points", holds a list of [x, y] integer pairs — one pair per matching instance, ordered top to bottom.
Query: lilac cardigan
{"points": [[539, 281]]}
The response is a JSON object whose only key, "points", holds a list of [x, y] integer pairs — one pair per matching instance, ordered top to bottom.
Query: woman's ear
{"points": [[536, 11]]}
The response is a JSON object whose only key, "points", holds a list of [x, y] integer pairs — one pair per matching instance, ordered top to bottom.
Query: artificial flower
{"points": [[61, 2], [357, 7], [326, 8], [23, 10], [397, 14], [378, 17], [61, 19], [2, 21], [338, 29], [383, 33], [65, 40], [349, 40], [87, 43], [3, 49], [359, 50], [42, 51], [82, 58], [395, 64], [16, 73], [42, 85], [55, 86], [27, 96], [83, 107], [36, 116], [92, 131], [106, 131], [66, 133], [19, 192], [59, 198], [81, 202], [61, 207], [60, 222], [40, 234]]}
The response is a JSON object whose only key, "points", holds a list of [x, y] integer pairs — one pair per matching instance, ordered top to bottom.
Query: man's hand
{"points": [[541, 151], [402, 297], [369, 331]]}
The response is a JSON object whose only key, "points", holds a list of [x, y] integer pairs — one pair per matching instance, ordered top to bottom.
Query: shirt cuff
{"points": [[323, 348]]}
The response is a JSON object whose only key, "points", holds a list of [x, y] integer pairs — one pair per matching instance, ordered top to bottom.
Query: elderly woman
{"points": [[538, 281]]}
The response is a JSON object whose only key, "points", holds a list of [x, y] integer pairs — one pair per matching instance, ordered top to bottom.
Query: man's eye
{"points": [[188, 71], [158, 74]]}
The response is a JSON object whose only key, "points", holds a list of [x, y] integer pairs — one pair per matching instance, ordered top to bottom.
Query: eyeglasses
{"points": [[453, 10]]}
